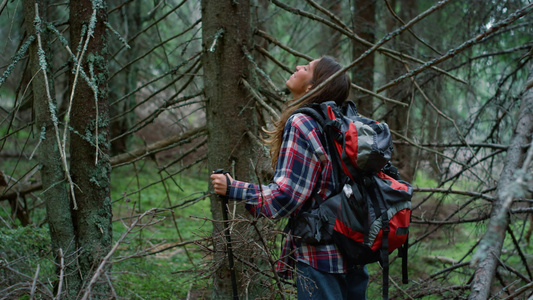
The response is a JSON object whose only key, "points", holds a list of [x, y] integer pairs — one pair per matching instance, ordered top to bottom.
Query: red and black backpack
{"points": [[368, 216]]}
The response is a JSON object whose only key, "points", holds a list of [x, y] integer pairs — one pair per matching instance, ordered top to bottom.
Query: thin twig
{"points": [[391, 10], [459, 133], [458, 192], [263, 241], [100, 270], [61, 274], [34, 283], [400, 289]]}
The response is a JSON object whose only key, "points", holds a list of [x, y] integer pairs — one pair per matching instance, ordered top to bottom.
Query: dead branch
{"points": [[171, 11], [344, 29], [279, 44], [156, 47], [374, 48], [451, 53], [273, 59], [259, 69], [170, 72], [162, 89], [260, 99], [151, 117], [458, 145], [151, 149], [183, 155], [116, 161], [169, 176], [509, 187], [457, 192], [451, 222], [168, 246], [522, 256], [451, 268], [31, 283], [520, 291]]}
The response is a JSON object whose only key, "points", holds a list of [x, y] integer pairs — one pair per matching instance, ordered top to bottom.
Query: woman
{"points": [[302, 169]]}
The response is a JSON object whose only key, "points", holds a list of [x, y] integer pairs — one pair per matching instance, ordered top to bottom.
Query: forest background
{"points": [[113, 114]]}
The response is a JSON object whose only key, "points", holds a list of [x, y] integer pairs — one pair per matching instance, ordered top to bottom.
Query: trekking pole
{"points": [[228, 237]]}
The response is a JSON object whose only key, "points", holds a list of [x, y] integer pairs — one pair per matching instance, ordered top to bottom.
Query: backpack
{"points": [[368, 217]]}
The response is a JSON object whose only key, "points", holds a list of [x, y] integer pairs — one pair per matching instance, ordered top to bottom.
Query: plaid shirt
{"points": [[302, 165]]}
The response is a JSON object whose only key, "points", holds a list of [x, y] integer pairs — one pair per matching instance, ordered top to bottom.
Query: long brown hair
{"points": [[336, 90]]}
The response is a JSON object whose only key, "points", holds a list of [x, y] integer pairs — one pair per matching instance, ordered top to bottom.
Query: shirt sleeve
{"points": [[296, 174]]}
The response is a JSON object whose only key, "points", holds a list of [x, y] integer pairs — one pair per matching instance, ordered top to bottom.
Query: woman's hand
{"points": [[220, 183]]}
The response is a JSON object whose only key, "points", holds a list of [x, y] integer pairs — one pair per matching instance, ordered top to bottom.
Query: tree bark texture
{"points": [[364, 24], [230, 113], [90, 147], [55, 193], [488, 253]]}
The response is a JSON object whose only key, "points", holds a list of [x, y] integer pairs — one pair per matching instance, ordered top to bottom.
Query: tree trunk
{"points": [[364, 24], [330, 41], [126, 82], [230, 114], [397, 116], [89, 149], [52, 169], [490, 247]]}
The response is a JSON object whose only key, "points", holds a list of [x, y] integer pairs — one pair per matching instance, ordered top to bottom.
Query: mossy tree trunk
{"points": [[230, 114], [90, 147], [55, 189]]}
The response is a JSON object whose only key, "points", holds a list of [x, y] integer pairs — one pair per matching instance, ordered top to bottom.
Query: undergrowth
{"points": [[142, 271]]}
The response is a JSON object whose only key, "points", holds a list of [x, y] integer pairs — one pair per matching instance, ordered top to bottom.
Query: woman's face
{"points": [[300, 82]]}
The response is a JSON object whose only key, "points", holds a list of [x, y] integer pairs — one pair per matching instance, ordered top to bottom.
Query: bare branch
{"points": [[349, 33], [375, 47], [451, 53], [261, 100], [156, 147], [510, 185], [101, 268]]}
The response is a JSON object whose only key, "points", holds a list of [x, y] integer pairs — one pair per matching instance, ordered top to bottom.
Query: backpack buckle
{"points": [[348, 191]]}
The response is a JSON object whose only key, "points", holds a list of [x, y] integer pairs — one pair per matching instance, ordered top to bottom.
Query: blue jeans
{"points": [[315, 284]]}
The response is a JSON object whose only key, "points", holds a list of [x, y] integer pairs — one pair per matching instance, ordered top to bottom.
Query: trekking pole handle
{"points": [[228, 181]]}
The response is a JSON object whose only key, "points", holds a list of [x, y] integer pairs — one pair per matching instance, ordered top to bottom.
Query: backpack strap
{"points": [[313, 113], [325, 125], [377, 201], [404, 249], [385, 254]]}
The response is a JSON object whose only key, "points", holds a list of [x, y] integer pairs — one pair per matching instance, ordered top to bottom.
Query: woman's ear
{"points": [[308, 88]]}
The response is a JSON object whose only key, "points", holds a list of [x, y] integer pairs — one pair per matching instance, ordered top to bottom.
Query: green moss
{"points": [[25, 248]]}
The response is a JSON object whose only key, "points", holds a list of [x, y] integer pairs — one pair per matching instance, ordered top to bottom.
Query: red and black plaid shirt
{"points": [[302, 165]]}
